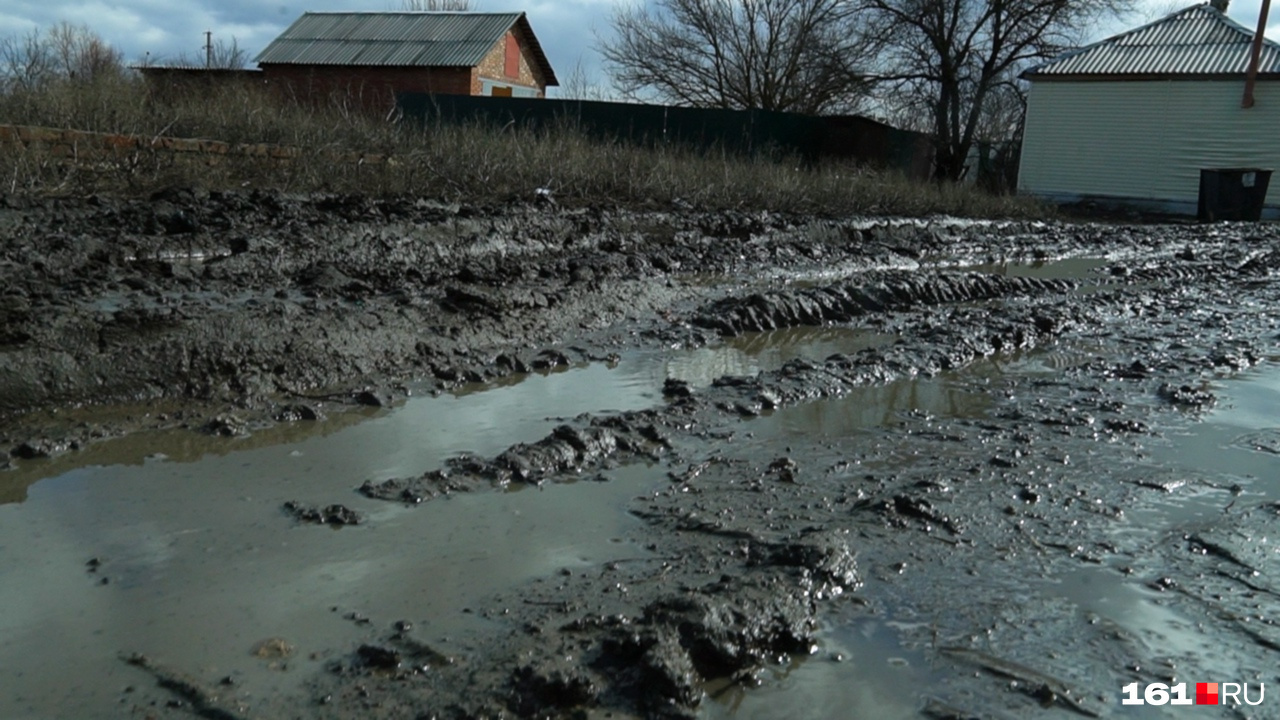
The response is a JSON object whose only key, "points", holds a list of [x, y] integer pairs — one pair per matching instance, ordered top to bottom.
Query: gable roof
{"points": [[401, 39], [1198, 40]]}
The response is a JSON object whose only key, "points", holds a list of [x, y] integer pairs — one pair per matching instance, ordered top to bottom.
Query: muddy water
{"points": [[1063, 269], [750, 353], [174, 544], [200, 564], [863, 667], [861, 671]]}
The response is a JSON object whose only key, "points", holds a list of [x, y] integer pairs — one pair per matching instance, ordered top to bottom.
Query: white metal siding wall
{"points": [[1145, 139]]}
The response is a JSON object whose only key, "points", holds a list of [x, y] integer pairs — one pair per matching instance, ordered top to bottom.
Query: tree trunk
{"points": [[948, 163]]}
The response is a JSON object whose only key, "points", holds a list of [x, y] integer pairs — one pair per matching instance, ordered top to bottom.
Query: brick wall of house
{"points": [[493, 66], [372, 88]]}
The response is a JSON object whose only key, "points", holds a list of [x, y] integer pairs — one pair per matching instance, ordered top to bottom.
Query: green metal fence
{"points": [[813, 139]]}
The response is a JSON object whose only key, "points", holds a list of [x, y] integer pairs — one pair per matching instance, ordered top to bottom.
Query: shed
{"points": [[366, 58], [1131, 120]]}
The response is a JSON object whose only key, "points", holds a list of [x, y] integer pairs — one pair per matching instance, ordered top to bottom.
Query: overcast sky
{"points": [[566, 28]]}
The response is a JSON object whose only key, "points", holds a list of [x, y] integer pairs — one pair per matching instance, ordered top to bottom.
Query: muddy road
{"points": [[335, 457]]}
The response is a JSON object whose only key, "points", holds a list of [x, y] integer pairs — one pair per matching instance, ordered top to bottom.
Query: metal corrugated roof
{"points": [[412, 39], [1198, 40]]}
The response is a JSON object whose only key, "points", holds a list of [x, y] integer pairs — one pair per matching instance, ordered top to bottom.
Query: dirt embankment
{"points": [[262, 302]]}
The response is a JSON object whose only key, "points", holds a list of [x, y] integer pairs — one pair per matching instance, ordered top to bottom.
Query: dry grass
{"points": [[469, 163]]}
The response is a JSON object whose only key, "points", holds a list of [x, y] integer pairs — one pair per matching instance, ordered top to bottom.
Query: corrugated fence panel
{"points": [[747, 132], [1144, 139]]}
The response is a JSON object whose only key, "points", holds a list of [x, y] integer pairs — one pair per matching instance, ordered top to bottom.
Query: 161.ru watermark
{"points": [[1205, 694]]}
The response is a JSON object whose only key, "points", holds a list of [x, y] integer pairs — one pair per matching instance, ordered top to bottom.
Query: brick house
{"points": [[365, 58]]}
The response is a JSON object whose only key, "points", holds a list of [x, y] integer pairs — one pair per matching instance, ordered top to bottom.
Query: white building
{"points": [[1132, 120]]}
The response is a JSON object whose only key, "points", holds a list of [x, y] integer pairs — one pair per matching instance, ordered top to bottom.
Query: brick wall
{"points": [[493, 66], [372, 88]]}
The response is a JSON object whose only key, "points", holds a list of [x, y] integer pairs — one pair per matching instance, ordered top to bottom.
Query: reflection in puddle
{"points": [[1065, 269], [751, 353], [871, 406], [411, 439], [171, 445], [1231, 445], [200, 564]]}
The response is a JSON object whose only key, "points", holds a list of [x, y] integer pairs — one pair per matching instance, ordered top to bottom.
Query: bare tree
{"points": [[436, 5], [62, 52], [79, 53], [220, 55], [797, 55], [228, 56], [951, 57], [25, 62], [582, 85]]}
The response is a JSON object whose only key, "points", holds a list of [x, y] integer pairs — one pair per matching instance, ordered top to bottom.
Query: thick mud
{"points": [[595, 463]]}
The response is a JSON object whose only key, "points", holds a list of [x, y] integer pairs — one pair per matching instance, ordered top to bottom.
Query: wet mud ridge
{"points": [[241, 310]]}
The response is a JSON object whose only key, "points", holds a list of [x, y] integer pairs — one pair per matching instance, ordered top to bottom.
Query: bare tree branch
{"points": [[64, 52], [797, 55], [222, 56], [957, 60], [582, 85]]}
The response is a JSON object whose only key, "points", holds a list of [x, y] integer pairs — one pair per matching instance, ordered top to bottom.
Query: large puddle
{"points": [[174, 544], [198, 564]]}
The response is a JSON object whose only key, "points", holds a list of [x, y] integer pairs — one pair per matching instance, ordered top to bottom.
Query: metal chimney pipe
{"points": [[1251, 76]]}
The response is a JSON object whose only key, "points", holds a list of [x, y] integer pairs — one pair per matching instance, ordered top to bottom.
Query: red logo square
{"points": [[1206, 693]]}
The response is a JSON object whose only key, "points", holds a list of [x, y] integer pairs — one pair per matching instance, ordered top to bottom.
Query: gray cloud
{"points": [[169, 28], [566, 28]]}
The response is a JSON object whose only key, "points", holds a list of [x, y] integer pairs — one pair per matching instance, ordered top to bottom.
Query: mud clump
{"points": [[1187, 396], [298, 412], [567, 451], [333, 515], [273, 649], [378, 657], [658, 658]]}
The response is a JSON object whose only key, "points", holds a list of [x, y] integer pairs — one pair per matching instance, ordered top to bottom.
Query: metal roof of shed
{"points": [[401, 39], [1198, 40]]}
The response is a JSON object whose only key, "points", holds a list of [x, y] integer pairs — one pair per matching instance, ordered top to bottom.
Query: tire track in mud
{"points": [[844, 303], [967, 335], [936, 343], [747, 552], [631, 653]]}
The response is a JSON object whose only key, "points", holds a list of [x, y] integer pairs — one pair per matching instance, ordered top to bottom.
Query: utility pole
{"points": [[208, 49]]}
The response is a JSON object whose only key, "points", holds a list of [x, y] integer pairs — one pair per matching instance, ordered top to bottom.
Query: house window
{"points": [[512, 68]]}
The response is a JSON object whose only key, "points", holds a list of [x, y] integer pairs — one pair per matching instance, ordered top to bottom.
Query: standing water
{"points": [[176, 546]]}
